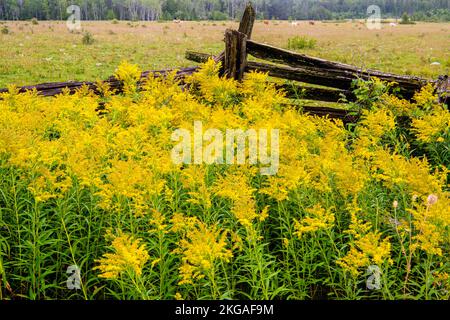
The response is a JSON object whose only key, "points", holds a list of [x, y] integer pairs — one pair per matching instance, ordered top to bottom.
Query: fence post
{"points": [[247, 21], [245, 27], [235, 54], [442, 87]]}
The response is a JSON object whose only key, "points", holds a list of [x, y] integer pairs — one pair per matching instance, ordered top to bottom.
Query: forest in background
{"points": [[419, 10]]}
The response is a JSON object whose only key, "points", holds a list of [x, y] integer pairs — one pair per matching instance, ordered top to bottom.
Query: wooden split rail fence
{"points": [[335, 79]]}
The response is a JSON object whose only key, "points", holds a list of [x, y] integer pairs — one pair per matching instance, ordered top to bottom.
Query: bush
{"points": [[218, 16], [406, 19], [34, 21], [115, 21], [4, 30], [88, 38], [301, 42]]}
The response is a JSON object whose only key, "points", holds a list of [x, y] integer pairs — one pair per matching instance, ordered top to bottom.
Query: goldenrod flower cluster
{"points": [[129, 74], [433, 127], [235, 186], [318, 218], [431, 222], [201, 247], [367, 248], [129, 255]]}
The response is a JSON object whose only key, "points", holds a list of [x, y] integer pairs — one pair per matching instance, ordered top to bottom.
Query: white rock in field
{"points": [[98, 64], [435, 64]]}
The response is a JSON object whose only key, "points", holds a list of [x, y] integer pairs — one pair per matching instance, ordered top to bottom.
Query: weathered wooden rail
{"points": [[303, 68], [334, 74], [336, 79], [55, 88], [293, 90]]}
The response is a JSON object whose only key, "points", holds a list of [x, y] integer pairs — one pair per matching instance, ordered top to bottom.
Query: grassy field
{"points": [[48, 52]]}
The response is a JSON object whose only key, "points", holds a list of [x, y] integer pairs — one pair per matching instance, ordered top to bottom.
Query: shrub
{"points": [[218, 16], [406, 19], [34, 21], [4, 30], [88, 38], [301, 42]]}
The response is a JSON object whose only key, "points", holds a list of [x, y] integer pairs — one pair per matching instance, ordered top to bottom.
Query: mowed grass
{"points": [[48, 52]]}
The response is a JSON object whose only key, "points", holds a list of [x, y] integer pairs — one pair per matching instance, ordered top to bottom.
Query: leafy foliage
{"points": [[434, 10], [301, 42]]}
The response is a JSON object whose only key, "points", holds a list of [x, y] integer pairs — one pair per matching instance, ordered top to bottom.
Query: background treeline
{"points": [[430, 10]]}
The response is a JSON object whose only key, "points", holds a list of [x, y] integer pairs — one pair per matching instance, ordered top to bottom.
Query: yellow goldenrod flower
{"points": [[130, 74], [426, 97], [433, 127], [236, 187], [318, 218], [431, 220], [157, 221], [367, 246], [201, 247], [366, 250], [128, 255], [178, 296]]}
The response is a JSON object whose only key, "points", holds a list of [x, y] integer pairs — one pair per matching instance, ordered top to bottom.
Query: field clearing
{"points": [[48, 52]]}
